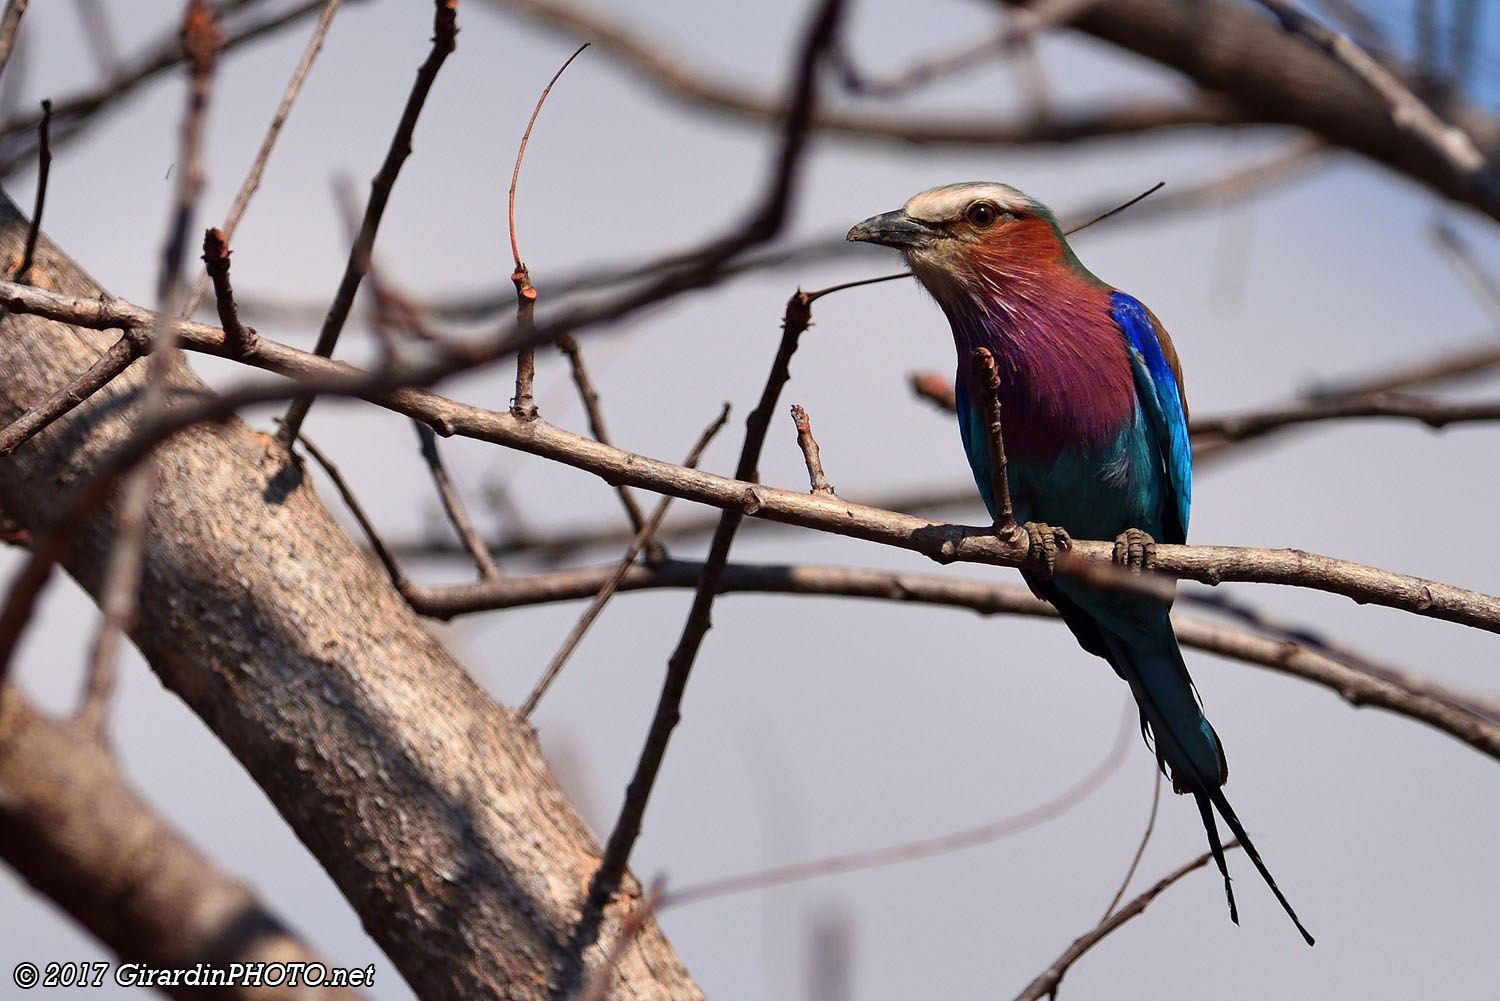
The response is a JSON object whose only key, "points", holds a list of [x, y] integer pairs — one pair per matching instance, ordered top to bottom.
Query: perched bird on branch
{"points": [[1095, 443]]}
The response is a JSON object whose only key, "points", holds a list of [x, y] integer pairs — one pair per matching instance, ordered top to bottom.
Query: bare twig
{"points": [[100, 37], [444, 39], [201, 40], [43, 174], [515, 175], [1240, 182], [251, 183], [1118, 208], [760, 226], [1458, 252], [238, 339], [568, 345], [117, 359], [1454, 363], [988, 378], [935, 389], [524, 404], [1244, 427], [1213, 435], [811, 454], [357, 511], [458, 515], [551, 547], [606, 591], [1314, 641], [628, 826], [926, 848], [1140, 850], [1048, 981]]}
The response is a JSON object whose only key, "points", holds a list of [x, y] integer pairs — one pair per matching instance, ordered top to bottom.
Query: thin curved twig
{"points": [[910, 851], [1047, 982]]}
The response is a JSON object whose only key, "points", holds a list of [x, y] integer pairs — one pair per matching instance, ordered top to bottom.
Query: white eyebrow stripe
{"points": [[949, 202]]}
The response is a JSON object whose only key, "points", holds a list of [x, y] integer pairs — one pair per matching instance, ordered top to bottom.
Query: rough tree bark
{"points": [[425, 800], [72, 828]]}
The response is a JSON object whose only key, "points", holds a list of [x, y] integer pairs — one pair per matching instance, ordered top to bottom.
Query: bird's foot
{"points": [[1042, 544], [1135, 549]]}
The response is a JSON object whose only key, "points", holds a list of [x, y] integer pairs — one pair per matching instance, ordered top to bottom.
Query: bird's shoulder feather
{"points": [[1159, 386]]}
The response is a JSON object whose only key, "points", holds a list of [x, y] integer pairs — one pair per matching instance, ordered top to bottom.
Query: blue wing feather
{"points": [[1160, 394]]}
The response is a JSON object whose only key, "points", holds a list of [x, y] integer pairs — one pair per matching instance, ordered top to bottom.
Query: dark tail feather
{"points": [[1205, 807], [1227, 812]]}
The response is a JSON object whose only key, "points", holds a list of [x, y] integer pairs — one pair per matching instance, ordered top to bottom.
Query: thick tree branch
{"points": [[673, 74], [1265, 75], [72, 828], [465, 862]]}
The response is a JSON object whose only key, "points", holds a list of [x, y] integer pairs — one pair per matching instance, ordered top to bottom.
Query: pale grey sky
{"points": [[817, 726]]}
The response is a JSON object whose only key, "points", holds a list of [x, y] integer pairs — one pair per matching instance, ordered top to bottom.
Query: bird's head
{"points": [[975, 240]]}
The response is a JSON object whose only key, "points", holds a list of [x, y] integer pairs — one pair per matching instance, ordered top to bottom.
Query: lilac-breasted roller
{"points": [[1094, 423]]}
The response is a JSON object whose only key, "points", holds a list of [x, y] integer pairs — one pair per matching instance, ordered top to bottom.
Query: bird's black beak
{"points": [[895, 229]]}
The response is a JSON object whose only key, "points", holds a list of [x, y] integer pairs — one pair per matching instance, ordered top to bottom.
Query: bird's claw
{"points": [[1042, 543], [1135, 549]]}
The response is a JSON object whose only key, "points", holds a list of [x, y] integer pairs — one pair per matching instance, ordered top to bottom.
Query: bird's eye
{"points": [[983, 214]]}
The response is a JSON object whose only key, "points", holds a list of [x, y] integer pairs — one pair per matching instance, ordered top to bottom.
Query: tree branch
{"points": [[944, 543], [1443, 710], [73, 829]]}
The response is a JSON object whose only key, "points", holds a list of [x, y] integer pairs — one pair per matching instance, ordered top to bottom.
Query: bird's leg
{"points": [[1042, 543], [1135, 549]]}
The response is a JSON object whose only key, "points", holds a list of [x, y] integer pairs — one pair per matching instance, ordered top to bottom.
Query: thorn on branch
{"points": [[811, 454]]}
